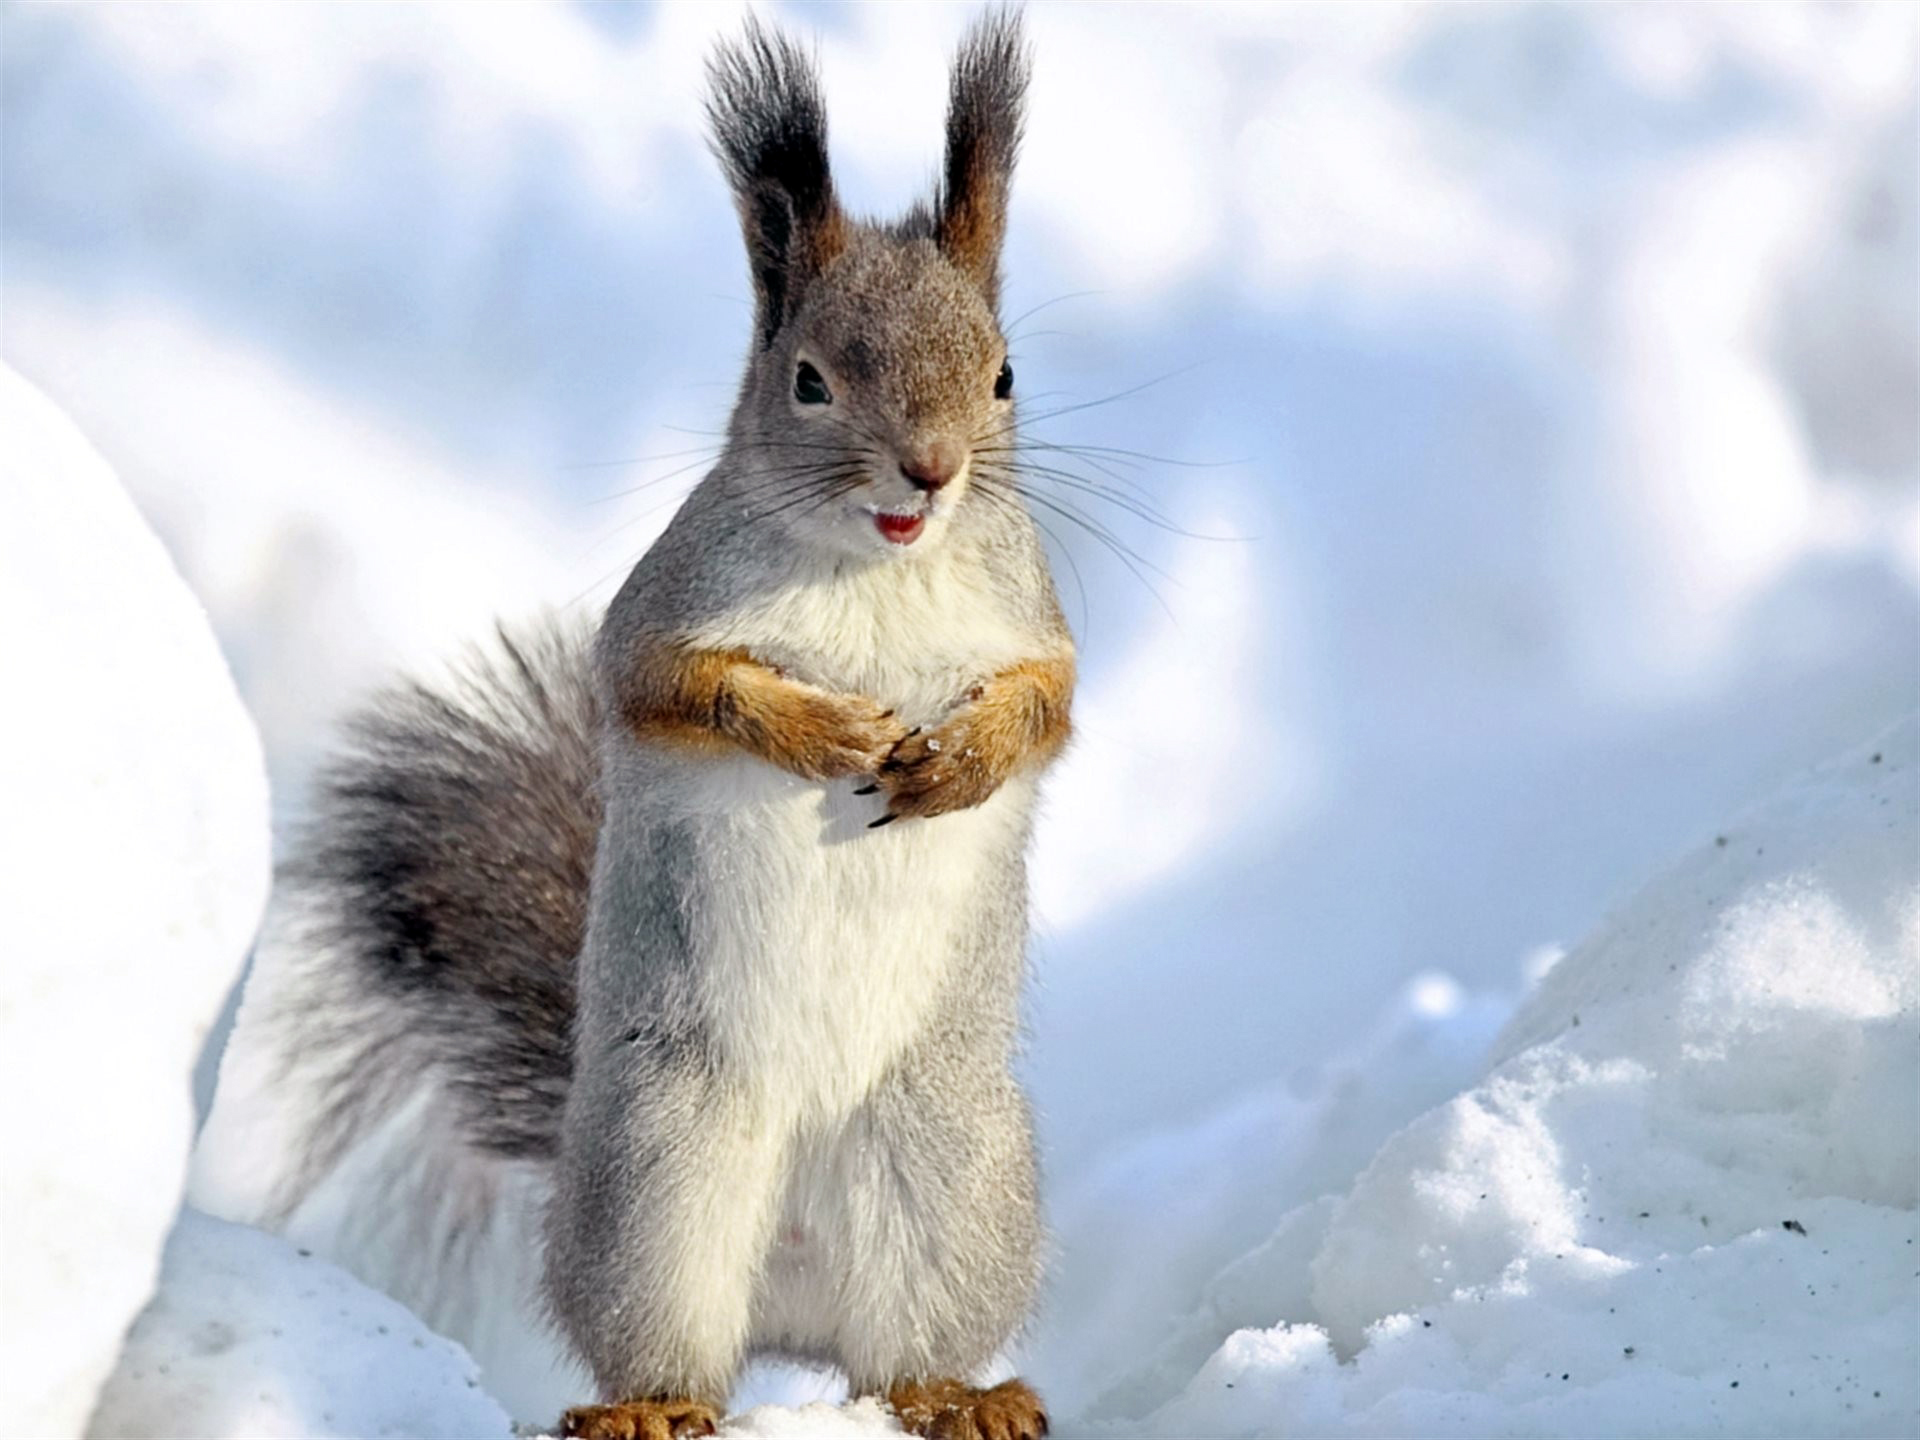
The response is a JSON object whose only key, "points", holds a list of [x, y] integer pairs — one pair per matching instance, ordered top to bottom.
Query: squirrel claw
{"points": [[893, 763], [868, 790], [886, 819]]}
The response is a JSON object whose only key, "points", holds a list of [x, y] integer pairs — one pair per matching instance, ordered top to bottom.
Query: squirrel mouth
{"points": [[899, 529]]}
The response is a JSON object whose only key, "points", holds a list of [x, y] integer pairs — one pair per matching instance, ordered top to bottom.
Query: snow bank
{"points": [[133, 868], [1683, 1199], [1182, 1202], [251, 1339]]}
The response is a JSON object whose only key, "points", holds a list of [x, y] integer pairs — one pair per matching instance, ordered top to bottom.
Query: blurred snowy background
{"points": [[1551, 372]]}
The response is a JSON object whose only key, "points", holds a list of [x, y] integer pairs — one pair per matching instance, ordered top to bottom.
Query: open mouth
{"points": [[899, 529]]}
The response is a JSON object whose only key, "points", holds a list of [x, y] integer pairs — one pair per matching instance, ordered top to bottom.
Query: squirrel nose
{"points": [[933, 467]]}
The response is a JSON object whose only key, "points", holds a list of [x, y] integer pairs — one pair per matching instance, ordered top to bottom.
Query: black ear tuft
{"points": [[985, 112], [770, 131]]}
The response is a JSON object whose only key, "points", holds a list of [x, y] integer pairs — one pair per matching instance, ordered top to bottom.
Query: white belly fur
{"points": [[834, 939], [829, 941]]}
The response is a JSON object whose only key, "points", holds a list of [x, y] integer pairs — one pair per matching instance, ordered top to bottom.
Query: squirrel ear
{"points": [[985, 113], [769, 129]]}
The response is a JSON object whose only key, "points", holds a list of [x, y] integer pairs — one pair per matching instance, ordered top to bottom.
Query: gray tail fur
{"points": [[447, 865], [393, 1088]]}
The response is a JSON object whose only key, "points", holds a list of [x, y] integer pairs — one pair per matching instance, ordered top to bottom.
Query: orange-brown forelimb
{"points": [[726, 698]]}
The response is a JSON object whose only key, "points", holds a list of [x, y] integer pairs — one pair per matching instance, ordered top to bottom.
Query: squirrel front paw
{"points": [[1015, 721], [935, 772]]}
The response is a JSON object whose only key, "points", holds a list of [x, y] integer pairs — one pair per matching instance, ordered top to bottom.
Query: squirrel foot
{"points": [[953, 1410], [653, 1419]]}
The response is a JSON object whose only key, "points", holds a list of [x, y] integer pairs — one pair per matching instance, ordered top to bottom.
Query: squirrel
{"points": [[679, 966]]}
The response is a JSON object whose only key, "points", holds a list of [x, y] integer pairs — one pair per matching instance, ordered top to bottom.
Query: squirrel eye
{"points": [[1003, 385], [810, 386]]}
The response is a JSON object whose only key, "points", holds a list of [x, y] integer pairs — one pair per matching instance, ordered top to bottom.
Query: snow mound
{"points": [[133, 869], [1682, 1201], [1180, 1202], [251, 1339]]}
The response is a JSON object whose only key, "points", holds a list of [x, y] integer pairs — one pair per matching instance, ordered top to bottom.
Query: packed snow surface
{"points": [[133, 868], [252, 1339]]}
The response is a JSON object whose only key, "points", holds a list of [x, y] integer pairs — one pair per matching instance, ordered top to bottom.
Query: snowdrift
{"points": [[133, 862], [133, 870], [1681, 1201], [252, 1339]]}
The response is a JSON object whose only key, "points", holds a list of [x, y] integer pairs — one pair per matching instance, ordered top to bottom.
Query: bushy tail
{"points": [[394, 1084]]}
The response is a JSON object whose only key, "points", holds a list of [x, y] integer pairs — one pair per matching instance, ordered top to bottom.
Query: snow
{"points": [[1564, 357], [284, 532], [135, 857], [133, 870], [1682, 1200], [1184, 1203], [251, 1339]]}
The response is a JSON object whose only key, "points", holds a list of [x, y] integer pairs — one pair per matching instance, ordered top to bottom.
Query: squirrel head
{"points": [[878, 367]]}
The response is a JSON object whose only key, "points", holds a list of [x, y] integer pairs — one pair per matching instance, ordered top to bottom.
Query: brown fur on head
{"points": [[878, 359]]}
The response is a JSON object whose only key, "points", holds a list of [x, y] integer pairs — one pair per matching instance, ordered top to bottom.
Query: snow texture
{"points": [[133, 869], [1682, 1200], [251, 1339]]}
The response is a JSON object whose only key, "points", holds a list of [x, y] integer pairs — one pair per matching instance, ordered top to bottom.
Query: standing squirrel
{"points": [[674, 975]]}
